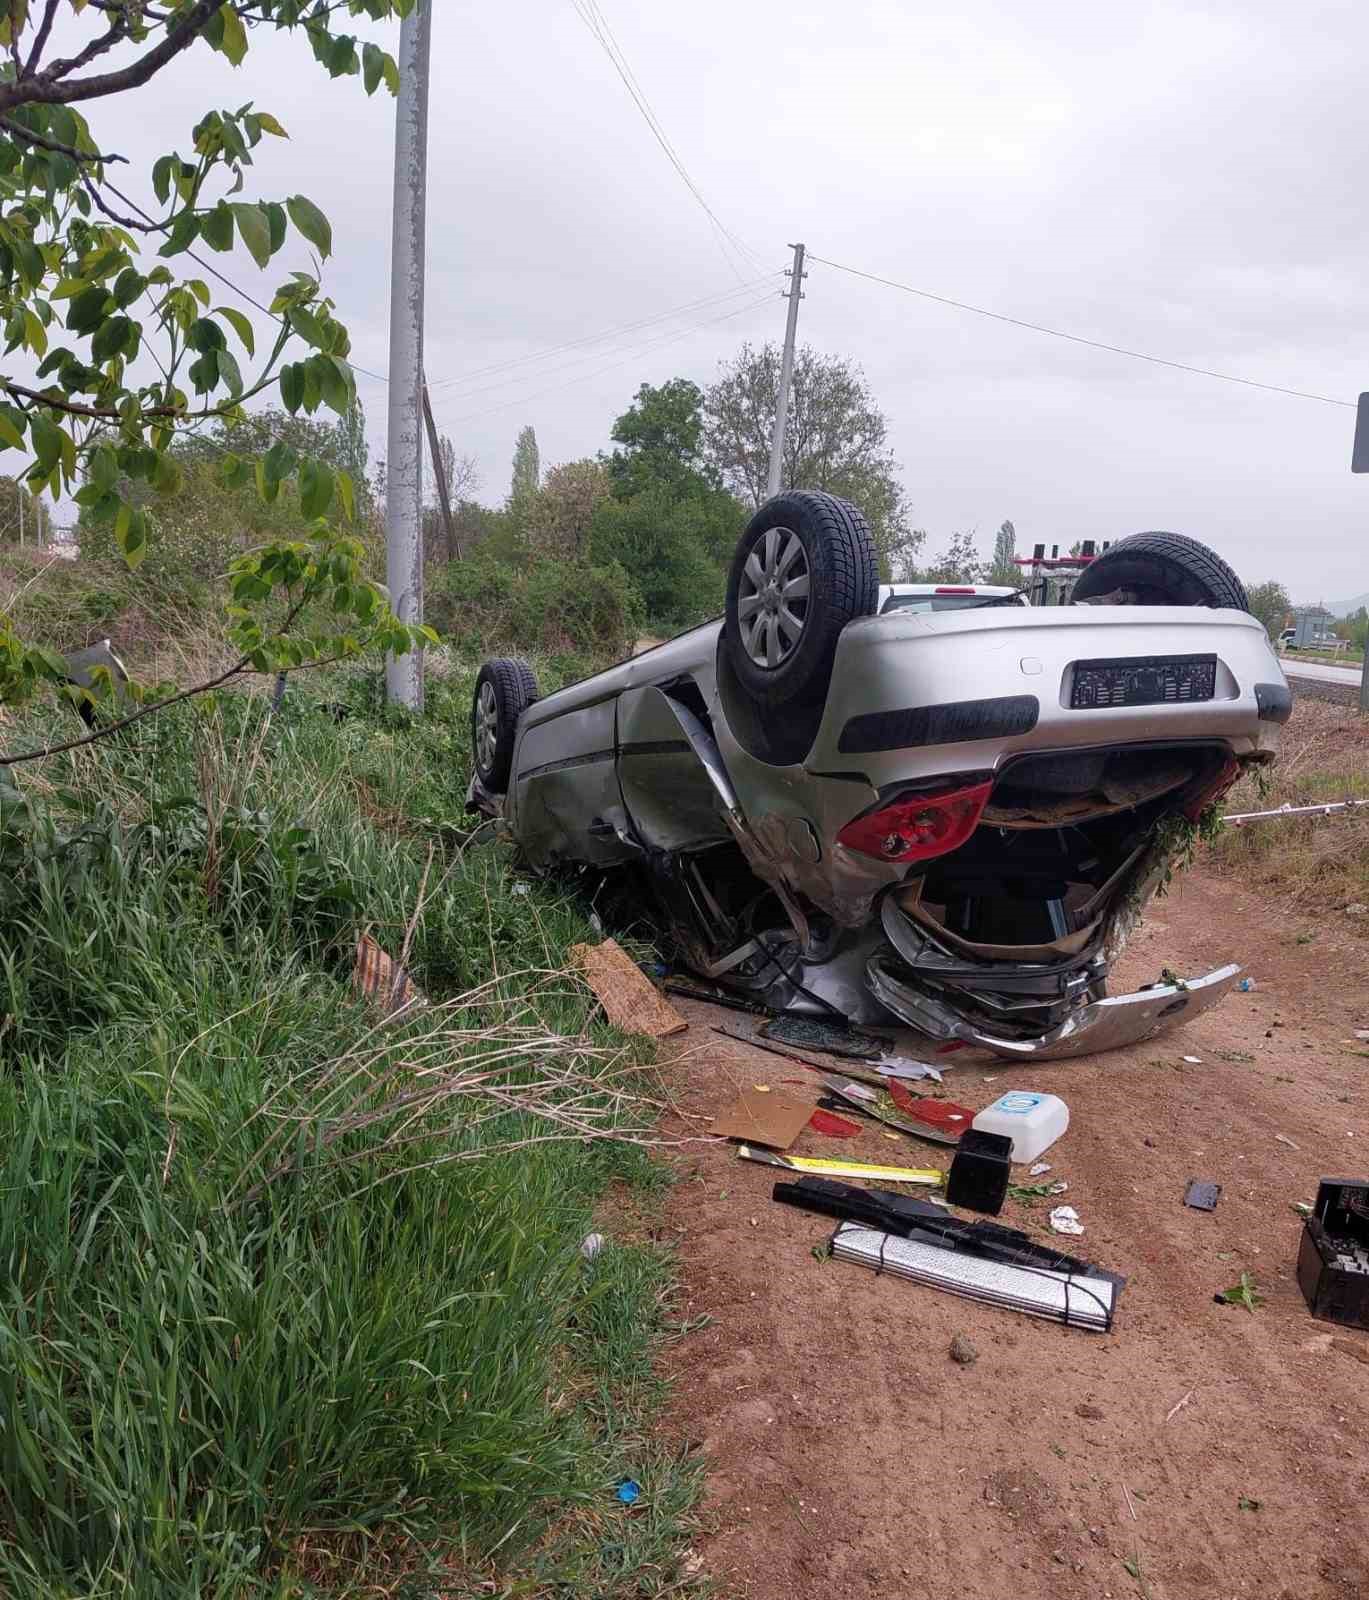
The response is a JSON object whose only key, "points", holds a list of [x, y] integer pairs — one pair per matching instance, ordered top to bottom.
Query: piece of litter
{"points": [[521, 888], [384, 981], [1246, 985], [629, 998], [1194, 1061], [902, 1067], [761, 1088], [833, 1127], [1284, 1139], [825, 1167], [1038, 1169], [1201, 1195], [1303, 1208], [1065, 1219], [591, 1245], [629, 1491]]}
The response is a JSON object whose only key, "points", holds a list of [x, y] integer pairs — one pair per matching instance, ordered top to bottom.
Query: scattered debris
{"points": [[520, 888], [382, 979], [1246, 985], [716, 997], [629, 998], [809, 1033], [1362, 1034], [1194, 1061], [905, 1067], [773, 1119], [942, 1120], [1033, 1122], [833, 1127], [1284, 1139], [823, 1167], [1038, 1168], [980, 1171], [1026, 1193], [1201, 1194], [1302, 1207], [1065, 1219], [591, 1245], [1333, 1257], [1241, 1294], [1078, 1299], [1348, 1347], [963, 1353], [1178, 1406], [1090, 1413], [629, 1491], [1245, 1503]]}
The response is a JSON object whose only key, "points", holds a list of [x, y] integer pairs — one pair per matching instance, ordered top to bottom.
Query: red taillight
{"points": [[944, 589], [917, 827]]}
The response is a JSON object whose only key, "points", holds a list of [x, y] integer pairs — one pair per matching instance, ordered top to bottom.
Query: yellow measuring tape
{"points": [[821, 1167]]}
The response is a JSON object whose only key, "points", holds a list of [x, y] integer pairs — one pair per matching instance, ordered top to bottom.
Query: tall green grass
{"points": [[205, 1383]]}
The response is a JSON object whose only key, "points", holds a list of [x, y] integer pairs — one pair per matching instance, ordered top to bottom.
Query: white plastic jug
{"points": [[1032, 1121]]}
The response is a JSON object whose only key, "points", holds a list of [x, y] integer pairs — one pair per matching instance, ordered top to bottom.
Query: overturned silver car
{"points": [[943, 805]]}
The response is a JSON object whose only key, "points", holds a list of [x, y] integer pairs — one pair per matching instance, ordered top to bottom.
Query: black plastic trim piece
{"points": [[1274, 701], [956, 723], [565, 764]]}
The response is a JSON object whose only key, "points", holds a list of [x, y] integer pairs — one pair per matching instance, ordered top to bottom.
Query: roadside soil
{"points": [[1219, 1452]]}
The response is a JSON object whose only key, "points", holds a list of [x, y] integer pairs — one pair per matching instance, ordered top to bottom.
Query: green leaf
{"points": [[234, 43], [372, 66], [391, 74], [268, 124], [163, 171], [275, 216], [312, 223], [216, 228], [186, 229], [254, 230], [241, 325], [308, 326], [111, 339], [229, 371], [292, 387], [10, 435], [47, 441], [279, 461], [104, 468], [234, 472], [167, 476], [267, 488], [315, 488], [347, 494], [130, 533]]}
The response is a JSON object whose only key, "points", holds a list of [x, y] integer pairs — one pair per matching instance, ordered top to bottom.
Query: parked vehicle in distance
{"points": [[930, 801]]}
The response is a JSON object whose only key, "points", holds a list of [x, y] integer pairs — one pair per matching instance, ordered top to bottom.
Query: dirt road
{"points": [[851, 1458]]}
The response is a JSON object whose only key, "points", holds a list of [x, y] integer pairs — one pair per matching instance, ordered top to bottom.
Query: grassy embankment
{"points": [[294, 1304]]}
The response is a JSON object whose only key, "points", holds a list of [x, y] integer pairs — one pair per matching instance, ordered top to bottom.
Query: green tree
{"points": [[87, 290], [661, 434], [836, 438], [527, 467], [559, 515], [24, 519], [675, 548], [959, 562], [1002, 568], [1270, 603]]}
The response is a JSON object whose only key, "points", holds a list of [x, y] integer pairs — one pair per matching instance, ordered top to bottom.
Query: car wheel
{"points": [[803, 569], [1161, 569], [504, 690]]}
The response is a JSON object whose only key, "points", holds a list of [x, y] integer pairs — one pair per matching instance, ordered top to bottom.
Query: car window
{"points": [[931, 602]]}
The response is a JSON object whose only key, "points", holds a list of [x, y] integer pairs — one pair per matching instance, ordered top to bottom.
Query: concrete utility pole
{"points": [[796, 277], [1359, 462], [404, 496]]}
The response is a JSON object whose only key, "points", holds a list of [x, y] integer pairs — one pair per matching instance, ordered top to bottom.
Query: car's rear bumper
{"points": [[1109, 1024]]}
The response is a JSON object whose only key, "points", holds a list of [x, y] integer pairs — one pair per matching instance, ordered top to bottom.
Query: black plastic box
{"points": [[980, 1170], [1333, 1258]]}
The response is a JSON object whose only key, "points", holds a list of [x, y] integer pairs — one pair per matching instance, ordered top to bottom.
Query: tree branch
{"points": [[44, 29], [45, 90], [42, 142], [124, 222], [75, 409]]}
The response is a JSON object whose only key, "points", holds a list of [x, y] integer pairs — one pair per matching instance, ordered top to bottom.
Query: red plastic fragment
{"points": [[833, 1127]]}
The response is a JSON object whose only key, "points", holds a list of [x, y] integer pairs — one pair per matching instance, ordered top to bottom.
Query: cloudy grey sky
{"points": [[1184, 179]]}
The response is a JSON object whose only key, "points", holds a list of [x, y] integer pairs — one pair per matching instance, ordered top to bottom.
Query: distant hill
{"points": [[1343, 608]]}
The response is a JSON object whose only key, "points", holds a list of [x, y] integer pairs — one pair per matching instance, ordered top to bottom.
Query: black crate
{"points": [[1333, 1258]]}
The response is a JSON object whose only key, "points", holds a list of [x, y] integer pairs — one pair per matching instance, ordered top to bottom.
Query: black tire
{"points": [[1163, 569], [780, 647], [504, 689]]}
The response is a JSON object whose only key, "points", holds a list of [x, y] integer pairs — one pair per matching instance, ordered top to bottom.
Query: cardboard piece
{"points": [[383, 981], [629, 998], [774, 1119]]}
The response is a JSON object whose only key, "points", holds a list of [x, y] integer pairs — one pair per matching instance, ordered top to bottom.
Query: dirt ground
{"points": [[1197, 1452]]}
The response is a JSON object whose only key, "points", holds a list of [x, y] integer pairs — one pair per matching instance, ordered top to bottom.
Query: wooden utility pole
{"points": [[444, 489]]}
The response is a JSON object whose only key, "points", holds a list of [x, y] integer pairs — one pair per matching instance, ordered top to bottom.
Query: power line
{"points": [[589, 13], [596, 338], [1075, 338], [586, 377]]}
